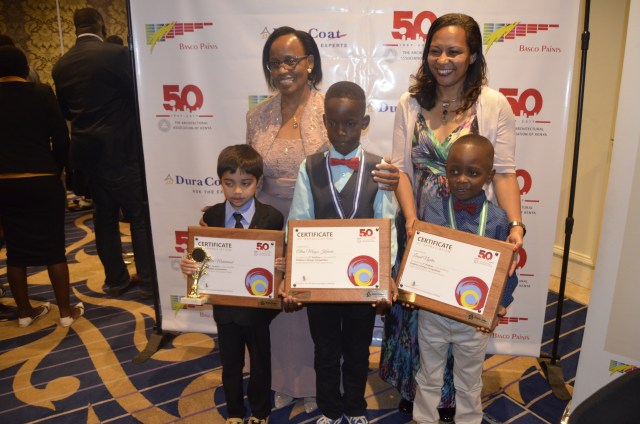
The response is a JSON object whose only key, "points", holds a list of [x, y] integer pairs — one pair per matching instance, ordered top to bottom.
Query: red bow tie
{"points": [[352, 163], [469, 207]]}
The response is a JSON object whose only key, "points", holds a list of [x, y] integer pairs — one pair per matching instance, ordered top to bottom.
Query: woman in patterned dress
{"points": [[449, 98]]}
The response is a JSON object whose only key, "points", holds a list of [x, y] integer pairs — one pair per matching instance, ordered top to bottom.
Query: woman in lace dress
{"points": [[449, 98], [285, 129]]}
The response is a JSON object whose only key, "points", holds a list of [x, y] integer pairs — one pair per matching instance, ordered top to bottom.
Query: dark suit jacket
{"points": [[94, 85], [266, 218]]}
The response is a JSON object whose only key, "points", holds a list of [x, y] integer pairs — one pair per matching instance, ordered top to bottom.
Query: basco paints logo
{"points": [[407, 26], [503, 32], [160, 33], [255, 99], [511, 320], [620, 367]]}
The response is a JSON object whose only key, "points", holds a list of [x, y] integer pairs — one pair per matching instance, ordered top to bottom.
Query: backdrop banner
{"points": [[198, 70]]}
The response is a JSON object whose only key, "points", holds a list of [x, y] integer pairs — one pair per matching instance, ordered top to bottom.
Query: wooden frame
{"points": [[268, 243], [436, 248], [355, 264]]}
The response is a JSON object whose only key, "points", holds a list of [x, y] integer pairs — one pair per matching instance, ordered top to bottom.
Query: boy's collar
{"points": [[334, 153], [479, 198], [229, 210]]}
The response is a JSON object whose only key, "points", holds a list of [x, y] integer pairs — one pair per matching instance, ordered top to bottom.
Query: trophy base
{"points": [[193, 300]]}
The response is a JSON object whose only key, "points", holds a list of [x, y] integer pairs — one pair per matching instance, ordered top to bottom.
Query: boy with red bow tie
{"points": [[338, 184]]}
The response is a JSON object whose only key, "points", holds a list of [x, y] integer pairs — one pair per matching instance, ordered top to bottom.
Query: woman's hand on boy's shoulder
{"points": [[386, 175], [203, 210]]}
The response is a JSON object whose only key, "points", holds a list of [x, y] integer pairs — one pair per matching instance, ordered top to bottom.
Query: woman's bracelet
{"points": [[518, 224]]}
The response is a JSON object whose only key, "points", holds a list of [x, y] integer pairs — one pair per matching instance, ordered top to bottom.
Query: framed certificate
{"points": [[338, 260], [239, 269], [454, 273]]}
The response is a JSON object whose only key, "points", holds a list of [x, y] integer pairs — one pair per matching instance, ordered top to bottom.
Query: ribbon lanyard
{"points": [[334, 192], [482, 223]]}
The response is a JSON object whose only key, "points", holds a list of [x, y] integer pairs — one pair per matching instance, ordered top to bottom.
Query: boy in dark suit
{"points": [[240, 170], [331, 185]]}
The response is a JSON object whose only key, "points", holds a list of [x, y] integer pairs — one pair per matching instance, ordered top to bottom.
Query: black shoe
{"points": [[134, 280], [8, 313], [405, 406], [447, 414]]}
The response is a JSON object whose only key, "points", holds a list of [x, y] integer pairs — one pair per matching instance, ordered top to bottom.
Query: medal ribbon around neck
{"points": [[334, 191], [482, 224]]}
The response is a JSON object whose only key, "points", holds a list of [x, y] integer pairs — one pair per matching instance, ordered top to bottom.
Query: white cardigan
{"points": [[495, 121]]}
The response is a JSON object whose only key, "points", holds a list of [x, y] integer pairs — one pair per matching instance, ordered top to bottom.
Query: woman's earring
{"points": [[309, 70]]}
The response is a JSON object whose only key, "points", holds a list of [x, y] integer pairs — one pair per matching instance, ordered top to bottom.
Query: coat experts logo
{"points": [[516, 31], [166, 32], [324, 37]]}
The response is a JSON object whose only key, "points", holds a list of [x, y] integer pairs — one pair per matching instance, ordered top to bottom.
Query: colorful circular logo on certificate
{"points": [[363, 271], [259, 282], [471, 293]]}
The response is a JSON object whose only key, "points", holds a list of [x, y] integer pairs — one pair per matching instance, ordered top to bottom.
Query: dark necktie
{"points": [[352, 163], [469, 207], [238, 218]]}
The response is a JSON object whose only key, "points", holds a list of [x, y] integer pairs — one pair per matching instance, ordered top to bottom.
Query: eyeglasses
{"points": [[289, 63]]}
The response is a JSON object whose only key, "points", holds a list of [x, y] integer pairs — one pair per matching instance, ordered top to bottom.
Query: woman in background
{"points": [[33, 151]]}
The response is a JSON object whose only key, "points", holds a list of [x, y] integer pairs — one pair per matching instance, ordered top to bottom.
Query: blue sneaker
{"points": [[357, 420]]}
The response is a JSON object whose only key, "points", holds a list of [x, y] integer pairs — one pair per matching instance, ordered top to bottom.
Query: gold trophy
{"points": [[200, 256]]}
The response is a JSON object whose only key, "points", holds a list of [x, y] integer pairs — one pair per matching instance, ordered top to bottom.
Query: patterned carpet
{"points": [[85, 373]]}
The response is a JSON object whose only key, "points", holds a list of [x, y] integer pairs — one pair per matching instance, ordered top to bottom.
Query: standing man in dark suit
{"points": [[94, 84]]}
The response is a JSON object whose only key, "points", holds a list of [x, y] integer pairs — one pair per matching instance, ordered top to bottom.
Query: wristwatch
{"points": [[518, 224]]}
